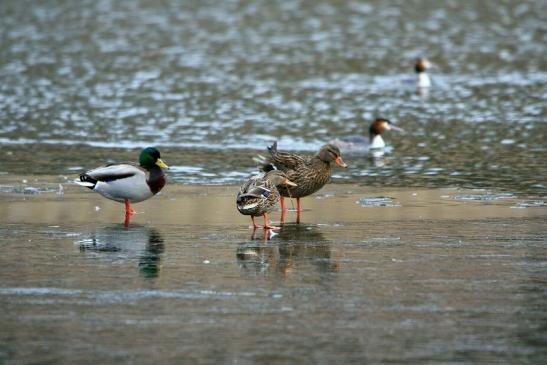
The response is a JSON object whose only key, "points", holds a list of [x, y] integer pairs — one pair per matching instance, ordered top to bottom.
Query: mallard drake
{"points": [[361, 143], [309, 173], [127, 182], [259, 195]]}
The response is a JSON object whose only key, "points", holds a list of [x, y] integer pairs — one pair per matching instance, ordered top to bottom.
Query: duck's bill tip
{"points": [[340, 162], [161, 164], [290, 183]]}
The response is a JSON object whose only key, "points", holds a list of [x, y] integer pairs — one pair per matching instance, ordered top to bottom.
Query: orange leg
{"points": [[128, 209], [298, 210], [283, 211], [128, 213], [127, 220], [267, 222], [255, 226], [267, 234]]}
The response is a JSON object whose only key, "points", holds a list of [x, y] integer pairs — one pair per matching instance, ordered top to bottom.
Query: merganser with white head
{"points": [[421, 66], [374, 142]]}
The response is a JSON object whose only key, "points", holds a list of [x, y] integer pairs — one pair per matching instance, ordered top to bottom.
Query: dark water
{"points": [[202, 78]]}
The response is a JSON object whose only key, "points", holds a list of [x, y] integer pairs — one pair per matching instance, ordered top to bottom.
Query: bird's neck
{"points": [[423, 80], [377, 141], [320, 164], [156, 179]]}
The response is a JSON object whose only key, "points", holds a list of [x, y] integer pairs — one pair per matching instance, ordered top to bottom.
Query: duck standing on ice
{"points": [[309, 173], [127, 182], [258, 196]]}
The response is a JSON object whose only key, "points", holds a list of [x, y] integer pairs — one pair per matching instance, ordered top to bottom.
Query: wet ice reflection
{"points": [[121, 243]]}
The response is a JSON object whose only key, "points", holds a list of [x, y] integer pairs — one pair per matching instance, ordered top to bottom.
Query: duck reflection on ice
{"points": [[267, 235], [138, 242], [295, 247]]}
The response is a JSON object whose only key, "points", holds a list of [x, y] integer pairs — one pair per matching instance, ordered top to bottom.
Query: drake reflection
{"points": [[140, 243]]}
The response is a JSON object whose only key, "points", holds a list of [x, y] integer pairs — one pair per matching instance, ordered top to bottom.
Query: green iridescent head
{"points": [[150, 157]]}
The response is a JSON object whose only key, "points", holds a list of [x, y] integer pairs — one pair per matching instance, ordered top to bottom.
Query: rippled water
{"points": [[198, 78]]}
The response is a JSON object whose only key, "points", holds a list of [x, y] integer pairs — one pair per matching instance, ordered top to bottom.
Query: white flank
{"points": [[133, 188], [248, 206]]}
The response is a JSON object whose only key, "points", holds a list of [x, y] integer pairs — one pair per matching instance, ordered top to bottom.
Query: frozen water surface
{"points": [[434, 280]]}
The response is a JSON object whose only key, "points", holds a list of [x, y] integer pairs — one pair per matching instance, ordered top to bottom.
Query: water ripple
{"points": [[192, 76], [378, 202]]}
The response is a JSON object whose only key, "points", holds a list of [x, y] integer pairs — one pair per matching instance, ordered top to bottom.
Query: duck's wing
{"points": [[286, 161], [289, 161], [113, 172], [255, 187], [260, 191]]}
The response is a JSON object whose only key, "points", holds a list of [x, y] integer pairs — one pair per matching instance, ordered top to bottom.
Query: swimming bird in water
{"points": [[421, 66], [363, 144], [309, 173], [127, 182], [259, 195]]}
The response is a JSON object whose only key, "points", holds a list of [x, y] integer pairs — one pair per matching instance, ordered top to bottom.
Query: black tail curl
{"points": [[273, 148], [264, 163], [88, 179]]}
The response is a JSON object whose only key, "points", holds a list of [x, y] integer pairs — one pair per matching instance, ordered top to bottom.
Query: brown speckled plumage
{"points": [[309, 173], [258, 192], [259, 195]]}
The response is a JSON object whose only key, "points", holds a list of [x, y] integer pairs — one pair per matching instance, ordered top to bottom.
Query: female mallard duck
{"points": [[375, 141], [309, 173], [126, 182], [259, 195]]}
